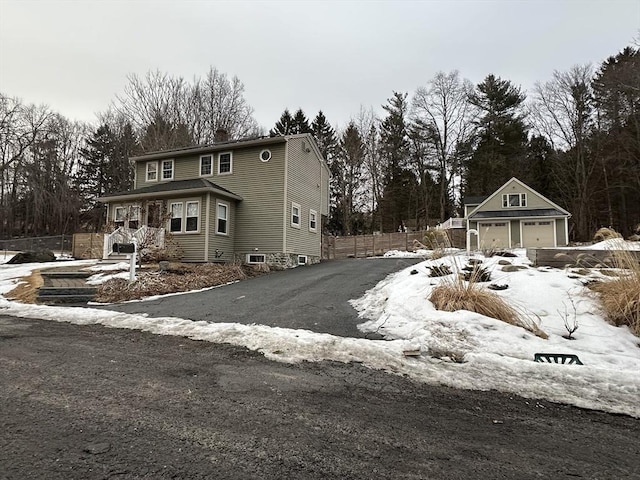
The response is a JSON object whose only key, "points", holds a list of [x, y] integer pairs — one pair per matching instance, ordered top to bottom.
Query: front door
{"points": [[154, 214]]}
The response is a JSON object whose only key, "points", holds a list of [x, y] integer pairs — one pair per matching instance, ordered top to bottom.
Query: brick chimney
{"points": [[221, 135]]}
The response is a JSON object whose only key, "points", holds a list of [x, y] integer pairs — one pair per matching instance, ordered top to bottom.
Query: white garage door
{"points": [[538, 233], [494, 234]]}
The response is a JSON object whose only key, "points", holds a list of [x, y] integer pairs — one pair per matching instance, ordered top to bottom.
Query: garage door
{"points": [[494, 234], [538, 234]]}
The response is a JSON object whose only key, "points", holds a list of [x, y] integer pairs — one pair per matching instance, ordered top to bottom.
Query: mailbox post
{"points": [[132, 265]]}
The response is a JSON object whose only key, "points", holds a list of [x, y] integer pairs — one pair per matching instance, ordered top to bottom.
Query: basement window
{"points": [[254, 258], [302, 259]]}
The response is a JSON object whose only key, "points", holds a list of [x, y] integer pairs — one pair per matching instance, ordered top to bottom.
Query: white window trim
{"points": [[268, 152], [230, 163], [212, 165], [173, 167], [147, 172], [522, 200], [171, 204], [186, 208], [313, 214], [183, 219], [294, 224], [226, 234], [249, 255], [302, 259]]}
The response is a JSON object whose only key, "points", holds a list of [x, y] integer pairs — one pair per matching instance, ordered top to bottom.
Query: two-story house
{"points": [[253, 201]]}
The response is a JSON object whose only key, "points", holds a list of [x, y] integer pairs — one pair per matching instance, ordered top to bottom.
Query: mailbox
{"points": [[124, 248]]}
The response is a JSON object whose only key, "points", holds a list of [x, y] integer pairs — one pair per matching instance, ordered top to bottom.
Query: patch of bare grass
{"points": [[177, 278], [27, 290], [463, 295]]}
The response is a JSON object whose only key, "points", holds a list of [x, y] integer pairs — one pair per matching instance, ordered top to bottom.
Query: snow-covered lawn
{"points": [[490, 354]]}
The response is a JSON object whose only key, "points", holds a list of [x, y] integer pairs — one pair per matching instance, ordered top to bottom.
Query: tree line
{"points": [[575, 138]]}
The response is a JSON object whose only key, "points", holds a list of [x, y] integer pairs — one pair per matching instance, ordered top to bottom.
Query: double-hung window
{"points": [[225, 163], [206, 165], [167, 170], [152, 171], [511, 200], [295, 215], [119, 217], [184, 217], [191, 219], [222, 219], [313, 221], [175, 224]]}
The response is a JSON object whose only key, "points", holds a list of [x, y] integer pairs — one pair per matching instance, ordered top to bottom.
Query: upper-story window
{"points": [[225, 163], [206, 165], [167, 170], [152, 171], [510, 200]]}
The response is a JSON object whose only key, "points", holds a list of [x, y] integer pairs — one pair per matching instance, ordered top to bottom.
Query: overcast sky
{"points": [[331, 55]]}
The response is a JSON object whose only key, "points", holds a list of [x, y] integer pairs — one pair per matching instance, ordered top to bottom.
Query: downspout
{"points": [[285, 206], [206, 226]]}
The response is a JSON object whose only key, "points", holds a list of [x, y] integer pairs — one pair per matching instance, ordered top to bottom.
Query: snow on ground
{"points": [[419, 253], [496, 355]]}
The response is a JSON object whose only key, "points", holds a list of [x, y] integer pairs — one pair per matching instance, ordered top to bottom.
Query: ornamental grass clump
{"points": [[459, 294], [620, 297]]}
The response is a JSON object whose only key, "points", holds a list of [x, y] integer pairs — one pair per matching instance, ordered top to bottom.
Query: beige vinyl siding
{"points": [[183, 169], [304, 187], [533, 199], [258, 216], [561, 237], [222, 243]]}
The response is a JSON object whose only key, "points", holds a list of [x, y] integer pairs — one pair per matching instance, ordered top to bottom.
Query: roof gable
{"points": [[535, 200]]}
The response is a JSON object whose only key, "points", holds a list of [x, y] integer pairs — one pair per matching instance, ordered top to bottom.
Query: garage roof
{"points": [[532, 212]]}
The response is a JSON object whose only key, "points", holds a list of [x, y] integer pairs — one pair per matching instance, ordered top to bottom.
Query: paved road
{"points": [[312, 298], [89, 403]]}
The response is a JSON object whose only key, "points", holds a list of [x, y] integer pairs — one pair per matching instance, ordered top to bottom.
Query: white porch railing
{"points": [[452, 223], [145, 237]]}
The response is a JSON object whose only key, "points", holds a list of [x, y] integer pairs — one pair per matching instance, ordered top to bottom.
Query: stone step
{"points": [[66, 274], [50, 291], [64, 299]]}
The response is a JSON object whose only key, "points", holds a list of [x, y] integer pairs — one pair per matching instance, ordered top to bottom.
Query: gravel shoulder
{"points": [[89, 402]]}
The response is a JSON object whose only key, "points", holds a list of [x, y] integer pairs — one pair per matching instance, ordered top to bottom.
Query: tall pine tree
{"points": [[500, 138]]}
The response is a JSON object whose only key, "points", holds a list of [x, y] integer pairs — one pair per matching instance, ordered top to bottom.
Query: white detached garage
{"points": [[515, 215]]}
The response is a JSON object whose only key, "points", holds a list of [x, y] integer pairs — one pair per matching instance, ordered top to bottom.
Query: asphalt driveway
{"points": [[314, 298]]}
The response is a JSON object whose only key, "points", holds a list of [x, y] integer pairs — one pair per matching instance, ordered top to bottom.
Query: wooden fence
{"points": [[87, 245], [359, 246]]}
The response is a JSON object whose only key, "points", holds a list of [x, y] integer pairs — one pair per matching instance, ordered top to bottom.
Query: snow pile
{"points": [[614, 244], [419, 253], [493, 355]]}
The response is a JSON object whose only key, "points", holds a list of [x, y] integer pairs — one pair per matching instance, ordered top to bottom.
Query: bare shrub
{"points": [[605, 234], [178, 278], [462, 295], [620, 297]]}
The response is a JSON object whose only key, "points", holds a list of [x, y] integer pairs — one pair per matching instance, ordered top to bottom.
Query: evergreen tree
{"points": [[616, 89], [300, 122], [291, 125], [325, 137], [500, 137], [104, 168], [346, 181], [398, 196]]}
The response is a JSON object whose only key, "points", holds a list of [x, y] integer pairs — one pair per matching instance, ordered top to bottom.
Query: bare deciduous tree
{"points": [[562, 112], [443, 115]]}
